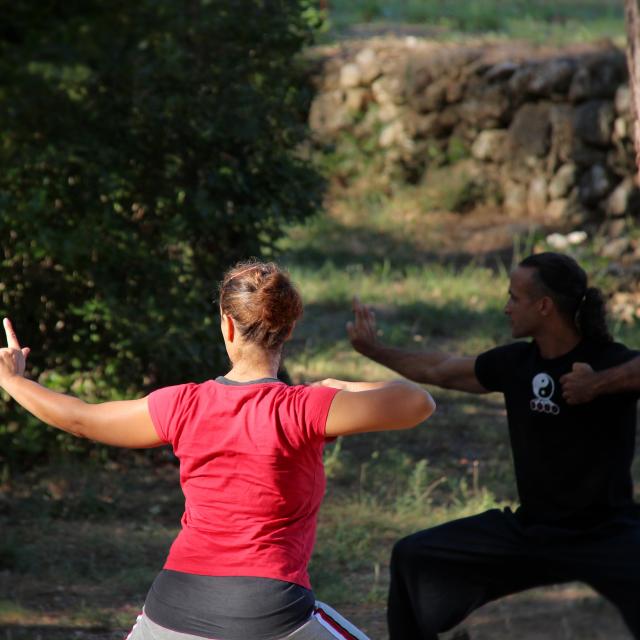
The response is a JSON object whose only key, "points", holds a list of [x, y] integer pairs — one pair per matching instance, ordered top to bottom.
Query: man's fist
{"points": [[579, 385]]}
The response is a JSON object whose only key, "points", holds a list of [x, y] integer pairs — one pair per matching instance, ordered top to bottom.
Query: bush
{"points": [[144, 146]]}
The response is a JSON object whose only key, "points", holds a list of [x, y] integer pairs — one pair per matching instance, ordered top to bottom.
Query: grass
{"points": [[541, 21], [411, 304], [84, 542]]}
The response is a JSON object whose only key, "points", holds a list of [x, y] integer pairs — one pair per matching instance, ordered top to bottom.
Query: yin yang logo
{"points": [[543, 388]]}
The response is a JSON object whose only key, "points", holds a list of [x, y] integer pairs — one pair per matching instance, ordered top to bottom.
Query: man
{"points": [[577, 520]]}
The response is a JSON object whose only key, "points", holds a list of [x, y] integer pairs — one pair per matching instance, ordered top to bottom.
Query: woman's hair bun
{"points": [[262, 300], [279, 306]]}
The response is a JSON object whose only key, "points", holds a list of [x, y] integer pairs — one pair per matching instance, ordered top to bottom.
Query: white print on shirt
{"points": [[543, 389]]}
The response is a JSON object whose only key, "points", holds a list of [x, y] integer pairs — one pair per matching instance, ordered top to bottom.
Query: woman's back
{"points": [[251, 471]]}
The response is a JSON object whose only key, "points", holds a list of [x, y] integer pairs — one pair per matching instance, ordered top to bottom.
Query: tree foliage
{"points": [[144, 146]]}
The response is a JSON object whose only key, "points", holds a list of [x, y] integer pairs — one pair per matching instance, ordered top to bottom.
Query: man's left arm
{"points": [[583, 384]]}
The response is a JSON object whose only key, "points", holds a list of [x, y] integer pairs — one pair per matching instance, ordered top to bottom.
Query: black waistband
{"points": [[227, 607]]}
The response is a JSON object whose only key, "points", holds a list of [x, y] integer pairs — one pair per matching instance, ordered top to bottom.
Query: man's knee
{"points": [[415, 552], [403, 553], [435, 586]]}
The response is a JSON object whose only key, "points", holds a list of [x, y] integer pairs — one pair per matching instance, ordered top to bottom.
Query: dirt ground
{"points": [[563, 612], [567, 612]]}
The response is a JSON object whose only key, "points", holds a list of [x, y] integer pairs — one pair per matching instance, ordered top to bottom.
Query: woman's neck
{"points": [[254, 367]]}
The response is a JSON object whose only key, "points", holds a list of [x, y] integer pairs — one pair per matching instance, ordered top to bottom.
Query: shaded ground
{"points": [[570, 612], [559, 613]]}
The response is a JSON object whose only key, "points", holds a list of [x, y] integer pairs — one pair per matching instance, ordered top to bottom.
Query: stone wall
{"points": [[549, 130]]}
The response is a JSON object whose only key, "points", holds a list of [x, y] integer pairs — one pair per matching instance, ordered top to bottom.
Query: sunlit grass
{"points": [[542, 21], [568, 31], [357, 532], [13, 613]]}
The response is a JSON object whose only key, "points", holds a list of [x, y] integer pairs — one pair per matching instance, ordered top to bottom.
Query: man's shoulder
{"points": [[510, 350], [609, 354], [494, 367]]}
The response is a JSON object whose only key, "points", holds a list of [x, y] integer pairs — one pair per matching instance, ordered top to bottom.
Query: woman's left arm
{"points": [[360, 407], [125, 423]]}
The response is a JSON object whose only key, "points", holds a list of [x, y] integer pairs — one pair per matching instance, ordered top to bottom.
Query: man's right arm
{"points": [[427, 367], [583, 384]]}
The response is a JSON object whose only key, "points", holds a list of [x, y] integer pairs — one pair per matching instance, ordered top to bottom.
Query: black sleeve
{"points": [[614, 355], [493, 367]]}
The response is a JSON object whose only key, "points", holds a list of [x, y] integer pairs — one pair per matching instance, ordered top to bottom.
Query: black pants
{"points": [[440, 575]]}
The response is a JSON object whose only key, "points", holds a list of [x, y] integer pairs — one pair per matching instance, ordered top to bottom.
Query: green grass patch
{"points": [[541, 21], [355, 536], [11, 612]]}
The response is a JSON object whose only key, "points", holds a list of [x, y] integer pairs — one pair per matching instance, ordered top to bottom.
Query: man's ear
{"points": [[546, 305]]}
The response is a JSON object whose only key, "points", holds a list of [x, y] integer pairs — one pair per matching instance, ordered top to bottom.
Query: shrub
{"points": [[144, 146]]}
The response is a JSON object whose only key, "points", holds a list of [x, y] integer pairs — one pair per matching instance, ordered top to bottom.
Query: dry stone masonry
{"points": [[549, 130]]}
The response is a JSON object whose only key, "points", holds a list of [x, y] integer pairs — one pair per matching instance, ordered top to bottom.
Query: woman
{"points": [[250, 450]]}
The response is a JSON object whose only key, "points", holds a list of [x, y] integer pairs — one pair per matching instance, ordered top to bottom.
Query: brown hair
{"points": [[262, 301]]}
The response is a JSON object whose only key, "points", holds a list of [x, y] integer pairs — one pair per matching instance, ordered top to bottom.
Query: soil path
{"points": [[566, 612]]}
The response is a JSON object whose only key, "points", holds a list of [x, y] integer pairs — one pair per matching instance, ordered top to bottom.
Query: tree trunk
{"points": [[632, 16]]}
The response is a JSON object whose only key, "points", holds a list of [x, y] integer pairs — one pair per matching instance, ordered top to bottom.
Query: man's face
{"points": [[523, 306]]}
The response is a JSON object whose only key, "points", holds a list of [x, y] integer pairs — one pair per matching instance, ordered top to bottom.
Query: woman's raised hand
{"points": [[13, 358]]}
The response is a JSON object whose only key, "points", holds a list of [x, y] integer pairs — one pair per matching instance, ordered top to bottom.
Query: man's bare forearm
{"points": [[426, 367], [620, 379], [583, 384]]}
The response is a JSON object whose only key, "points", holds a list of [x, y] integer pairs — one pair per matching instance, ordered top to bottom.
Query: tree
{"points": [[632, 15], [144, 146]]}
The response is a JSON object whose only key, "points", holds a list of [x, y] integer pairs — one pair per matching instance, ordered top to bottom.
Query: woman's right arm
{"points": [[376, 406], [124, 423]]}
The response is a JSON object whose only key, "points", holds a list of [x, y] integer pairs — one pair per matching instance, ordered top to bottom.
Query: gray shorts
{"points": [[325, 624]]}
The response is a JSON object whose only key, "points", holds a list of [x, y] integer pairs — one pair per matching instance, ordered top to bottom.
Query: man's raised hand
{"points": [[362, 331], [13, 358]]}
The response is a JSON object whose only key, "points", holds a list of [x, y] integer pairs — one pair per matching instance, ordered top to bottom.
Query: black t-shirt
{"points": [[572, 463]]}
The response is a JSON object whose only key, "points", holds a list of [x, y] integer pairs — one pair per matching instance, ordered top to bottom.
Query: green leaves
{"points": [[144, 147]]}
